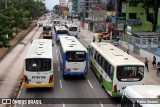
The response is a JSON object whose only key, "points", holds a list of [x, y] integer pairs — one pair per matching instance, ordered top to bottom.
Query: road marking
{"points": [[56, 51], [57, 58], [58, 68], [90, 83], [60, 84], [63, 105], [101, 105]]}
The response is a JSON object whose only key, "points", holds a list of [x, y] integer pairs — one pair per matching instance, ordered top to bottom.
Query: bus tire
{"points": [[101, 82]]}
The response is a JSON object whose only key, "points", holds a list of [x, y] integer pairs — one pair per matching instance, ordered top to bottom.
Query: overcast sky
{"points": [[51, 3]]}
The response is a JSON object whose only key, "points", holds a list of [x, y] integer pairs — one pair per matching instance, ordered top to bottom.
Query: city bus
{"points": [[56, 22], [72, 29], [47, 31], [60, 31], [73, 56], [38, 65], [115, 68], [141, 96]]}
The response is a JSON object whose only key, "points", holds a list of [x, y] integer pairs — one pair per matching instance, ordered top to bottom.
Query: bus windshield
{"points": [[56, 22], [47, 28], [73, 29], [62, 32], [76, 56], [38, 64], [130, 73]]}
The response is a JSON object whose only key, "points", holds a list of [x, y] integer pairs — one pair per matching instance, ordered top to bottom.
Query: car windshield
{"points": [[130, 73]]}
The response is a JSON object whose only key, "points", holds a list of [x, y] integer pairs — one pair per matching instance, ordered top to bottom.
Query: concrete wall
{"points": [[122, 43], [144, 53]]}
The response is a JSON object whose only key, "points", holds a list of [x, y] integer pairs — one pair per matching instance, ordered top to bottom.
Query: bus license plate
{"points": [[38, 82]]}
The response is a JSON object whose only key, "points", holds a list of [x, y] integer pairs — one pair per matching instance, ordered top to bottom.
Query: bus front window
{"points": [[75, 56], [130, 73]]}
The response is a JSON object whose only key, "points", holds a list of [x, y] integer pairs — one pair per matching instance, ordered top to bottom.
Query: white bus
{"points": [[56, 22], [72, 29], [47, 31], [60, 31], [73, 56], [38, 65], [115, 68], [141, 96]]}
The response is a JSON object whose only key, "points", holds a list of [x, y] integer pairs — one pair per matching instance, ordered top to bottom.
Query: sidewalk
{"points": [[151, 77]]}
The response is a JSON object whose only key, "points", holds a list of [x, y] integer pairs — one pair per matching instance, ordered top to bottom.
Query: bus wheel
{"points": [[101, 82]]}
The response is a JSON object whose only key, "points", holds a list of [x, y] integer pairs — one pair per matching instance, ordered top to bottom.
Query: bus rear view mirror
{"points": [[52, 45]]}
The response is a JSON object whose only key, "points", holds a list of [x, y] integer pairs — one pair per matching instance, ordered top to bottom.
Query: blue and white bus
{"points": [[72, 29], [60, 31], [73, 56]]}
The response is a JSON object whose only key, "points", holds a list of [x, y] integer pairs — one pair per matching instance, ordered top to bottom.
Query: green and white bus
{"points": [[115, 68]]}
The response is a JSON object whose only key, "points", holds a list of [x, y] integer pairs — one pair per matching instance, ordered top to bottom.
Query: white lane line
{"points": [[56, 51], [57, 58], [58, 68], [90, 83], [61, 84], [101, 104], [63, 105]]}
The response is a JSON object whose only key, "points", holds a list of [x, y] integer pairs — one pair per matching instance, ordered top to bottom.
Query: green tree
{"points": [[56, 8]]}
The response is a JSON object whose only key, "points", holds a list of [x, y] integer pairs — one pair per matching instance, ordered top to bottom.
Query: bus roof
{"points": [[56, 20], [71, 25], [60, 28], [70, 43], [40, 48], [115, 55], [143, 91]]}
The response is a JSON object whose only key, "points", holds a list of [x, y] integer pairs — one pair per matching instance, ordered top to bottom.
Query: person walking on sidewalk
{"points": [[154, 62], [146, 63], [158, 68]]}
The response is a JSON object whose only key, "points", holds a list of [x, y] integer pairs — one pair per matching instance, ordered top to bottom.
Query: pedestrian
{"points": [[94, 38], [154, 62], [146, 63], [158, 68]]}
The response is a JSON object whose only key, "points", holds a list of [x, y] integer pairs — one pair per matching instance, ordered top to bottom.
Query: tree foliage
{"points": [[18, 15]]}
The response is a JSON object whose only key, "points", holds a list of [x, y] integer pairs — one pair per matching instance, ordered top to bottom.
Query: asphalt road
{"points": [[72, 87]]}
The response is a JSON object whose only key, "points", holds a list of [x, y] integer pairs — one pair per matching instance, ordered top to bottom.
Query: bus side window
{"points": [[91, 51], [95, 55], [99, 59], [103, 63], [106, 67], [111, 71]]}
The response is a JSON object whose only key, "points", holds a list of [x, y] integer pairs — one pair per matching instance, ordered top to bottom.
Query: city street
{"points": [[73, 87]]}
